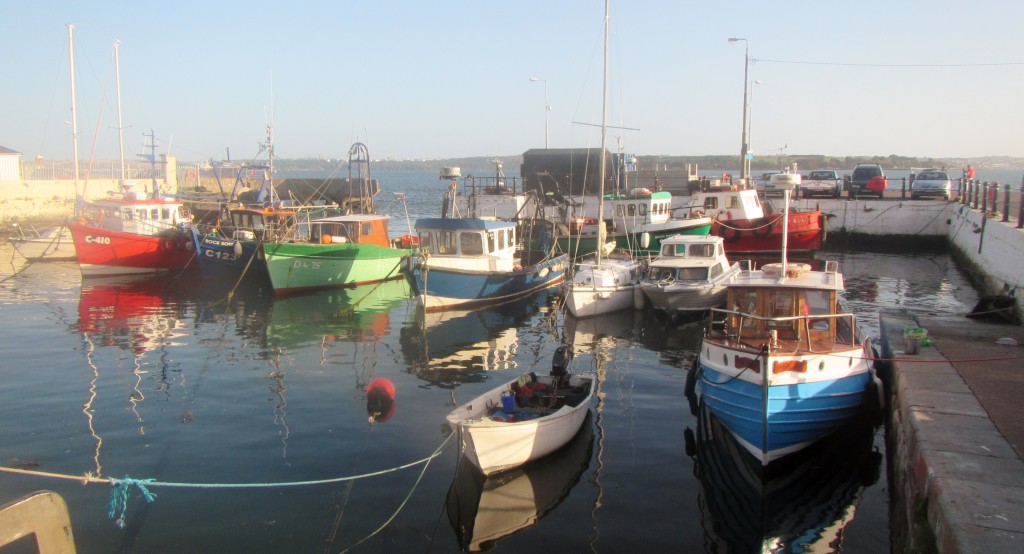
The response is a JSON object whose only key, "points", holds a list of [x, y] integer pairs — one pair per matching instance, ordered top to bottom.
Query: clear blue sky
{"points": [[418, 79]]}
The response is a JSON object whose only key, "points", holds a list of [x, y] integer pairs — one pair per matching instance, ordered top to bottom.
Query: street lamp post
{"points": [[547, 108], [750, 124], [744, 163]]}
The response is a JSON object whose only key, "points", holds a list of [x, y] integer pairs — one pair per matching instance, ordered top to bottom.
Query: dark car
{"points": [[868, 180]]}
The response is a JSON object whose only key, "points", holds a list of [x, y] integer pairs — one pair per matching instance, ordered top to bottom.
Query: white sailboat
{"points": [[604, 283]]}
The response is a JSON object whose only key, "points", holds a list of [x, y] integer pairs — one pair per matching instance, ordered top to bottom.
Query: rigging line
{"points": [[995, 64], [89, 477]]}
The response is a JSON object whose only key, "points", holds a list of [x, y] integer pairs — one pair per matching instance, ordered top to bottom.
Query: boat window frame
{"points": [[471, 243]]}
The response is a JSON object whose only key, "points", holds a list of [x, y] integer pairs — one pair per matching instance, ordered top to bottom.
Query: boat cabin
{"points": [[726, 204], [134, 213], [629, 213], [262, 223], [351, 229], [470, 244], [690, 258], [798, 310]]}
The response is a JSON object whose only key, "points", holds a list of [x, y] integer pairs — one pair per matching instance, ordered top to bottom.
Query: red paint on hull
{"points": [[806, 233], [104, 252]]}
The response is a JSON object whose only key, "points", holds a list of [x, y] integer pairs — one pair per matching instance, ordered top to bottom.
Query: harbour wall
{"points": [[986, 243]]}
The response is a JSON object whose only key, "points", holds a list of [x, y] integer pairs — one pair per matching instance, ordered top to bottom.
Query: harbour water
{"points": [[250, 415]]}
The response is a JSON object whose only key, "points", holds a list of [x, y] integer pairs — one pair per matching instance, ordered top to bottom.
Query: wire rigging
{"points": [[801, 62]]}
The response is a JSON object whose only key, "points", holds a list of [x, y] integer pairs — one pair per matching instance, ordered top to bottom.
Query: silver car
{"points": [[931, 182]]}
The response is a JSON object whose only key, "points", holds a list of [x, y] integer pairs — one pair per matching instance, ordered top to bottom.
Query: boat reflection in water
{"points": [[129, 313], [353, 314], [587, 335], [452, 347], [802, 507], [483, 510]]}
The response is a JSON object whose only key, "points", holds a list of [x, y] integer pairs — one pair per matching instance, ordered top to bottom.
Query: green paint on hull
{"points": [[295, 266]]}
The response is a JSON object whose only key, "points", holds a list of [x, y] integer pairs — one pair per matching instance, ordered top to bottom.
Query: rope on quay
{"points": [[118, 502]]}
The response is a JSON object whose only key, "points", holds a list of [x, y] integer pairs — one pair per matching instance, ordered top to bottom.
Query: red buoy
{"points": [[380, 400]]}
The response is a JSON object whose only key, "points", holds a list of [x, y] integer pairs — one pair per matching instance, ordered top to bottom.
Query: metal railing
{"points": [[61, 170], [993, 198]]}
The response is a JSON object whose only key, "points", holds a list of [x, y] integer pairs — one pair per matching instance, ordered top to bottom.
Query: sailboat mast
{"points": [[74, 119], [120, 126], [604, 130]]}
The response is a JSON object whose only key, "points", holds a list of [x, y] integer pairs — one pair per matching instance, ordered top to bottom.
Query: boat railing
{"points": [[749, 327]]}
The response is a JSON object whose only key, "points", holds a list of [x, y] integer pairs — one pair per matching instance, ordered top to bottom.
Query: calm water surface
{"points": [[181, 382]]}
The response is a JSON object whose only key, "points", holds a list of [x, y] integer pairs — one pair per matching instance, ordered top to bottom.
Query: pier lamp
{"points": [[547, 108], [750, 123], [744, 146]]}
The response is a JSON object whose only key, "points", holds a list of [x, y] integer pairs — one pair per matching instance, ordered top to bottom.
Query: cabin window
{"points": [[734, 202], [711, 203], [642, 209], [631, 210], [619, 211], [141, 214], [165, 214], [367, 229], [511, 238], [501, 240], [425, 241], [490, 242], [446, 243], [472, 244], [668, 250], [702, 250], [715, 271], [662, 274], [693, 274], [745, 301], [813, 302], [780, 304]]}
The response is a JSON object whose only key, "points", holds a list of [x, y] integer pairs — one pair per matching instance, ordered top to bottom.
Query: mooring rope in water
{"points": [[118, 503]]}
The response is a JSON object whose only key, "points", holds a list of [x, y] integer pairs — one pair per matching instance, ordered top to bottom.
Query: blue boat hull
{"points": [[219, 257], [443, 289], [797, 414]]}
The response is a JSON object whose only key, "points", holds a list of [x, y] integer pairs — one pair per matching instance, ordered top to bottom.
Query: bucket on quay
{"points": [[508, 402]]}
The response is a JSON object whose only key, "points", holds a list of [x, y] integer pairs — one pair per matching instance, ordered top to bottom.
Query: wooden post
{"points": [[903, 188], [977, 191], [984, 198], [1020, 206]]}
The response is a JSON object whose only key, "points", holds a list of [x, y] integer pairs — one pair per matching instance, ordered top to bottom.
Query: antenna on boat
{"points": [[786, 182]]}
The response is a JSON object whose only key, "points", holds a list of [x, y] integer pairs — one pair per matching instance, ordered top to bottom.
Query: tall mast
{"points": [[74, 119], [120, 127], [604, 130]]}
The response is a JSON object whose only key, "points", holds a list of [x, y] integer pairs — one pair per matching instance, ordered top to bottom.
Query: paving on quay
{"points": [[957, 414]]}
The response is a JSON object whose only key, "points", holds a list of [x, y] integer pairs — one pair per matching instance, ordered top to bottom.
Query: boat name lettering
{"points": [[97, 240], [217, 242], [226, 256], [305, 264]]}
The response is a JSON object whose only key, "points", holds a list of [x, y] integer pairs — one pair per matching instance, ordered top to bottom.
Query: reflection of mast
{"points": [[601, 375], [281, 406], [87, 407]]}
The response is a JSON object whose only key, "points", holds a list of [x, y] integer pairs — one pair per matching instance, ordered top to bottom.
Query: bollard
{"points": [[903, 188], [961, 191], [976, 191], [984, 198], [1006, 203], [1020, 206]]}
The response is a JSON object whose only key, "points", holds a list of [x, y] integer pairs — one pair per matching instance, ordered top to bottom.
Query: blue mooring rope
{"points": [[119, 497]]}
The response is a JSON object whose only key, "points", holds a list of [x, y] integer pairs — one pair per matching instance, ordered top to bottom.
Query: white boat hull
{"points": [[494, 445]]}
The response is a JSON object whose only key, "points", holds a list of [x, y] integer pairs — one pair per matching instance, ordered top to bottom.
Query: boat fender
{"points": [[696, 214], [764, 230], [729, 233], [326, 239], [645, 240], [238, 249]]}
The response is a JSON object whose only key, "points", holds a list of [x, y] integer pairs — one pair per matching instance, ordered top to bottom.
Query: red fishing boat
{"points": [[747, 226], [129, 233]]}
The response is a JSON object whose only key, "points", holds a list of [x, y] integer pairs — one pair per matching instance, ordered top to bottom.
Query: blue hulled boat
{"points": [[465, 263]]}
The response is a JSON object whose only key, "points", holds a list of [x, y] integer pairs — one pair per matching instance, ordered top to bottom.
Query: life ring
{"points": [[696, 214], [764, 230], [729, 233], [408, 241]]}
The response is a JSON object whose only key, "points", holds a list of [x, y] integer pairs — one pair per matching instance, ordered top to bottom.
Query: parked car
{"points": [[868, 180], [822, 182], [931, 182], [763, 184]]}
